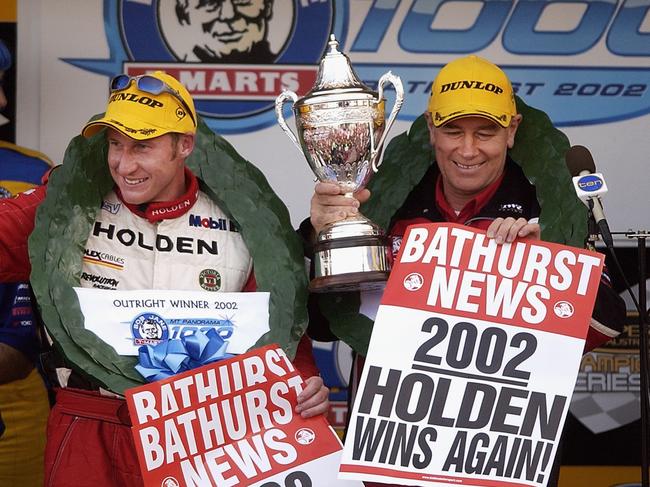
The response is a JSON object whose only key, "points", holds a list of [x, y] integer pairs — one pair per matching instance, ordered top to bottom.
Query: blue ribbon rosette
{"points": [[170, 357]]}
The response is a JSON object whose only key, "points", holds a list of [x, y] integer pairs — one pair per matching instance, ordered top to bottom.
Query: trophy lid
{"points": [[336, 74]]}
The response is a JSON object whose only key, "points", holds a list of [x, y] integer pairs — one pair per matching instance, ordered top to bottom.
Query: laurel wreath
{"points": [[539, 149], [64, 220]]}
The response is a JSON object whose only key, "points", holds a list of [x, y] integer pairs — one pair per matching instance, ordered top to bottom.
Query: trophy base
{"points": [[351, 263], [352, 281]]}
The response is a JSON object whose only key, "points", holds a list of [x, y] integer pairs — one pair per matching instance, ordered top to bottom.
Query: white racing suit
{"points": [[199, 249]]}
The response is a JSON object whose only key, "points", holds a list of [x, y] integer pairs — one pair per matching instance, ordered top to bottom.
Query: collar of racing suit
{"points": [[471, 208], [161, 210]]}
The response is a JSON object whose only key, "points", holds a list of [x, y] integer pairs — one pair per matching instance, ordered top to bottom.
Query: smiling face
{"points": [[228, 26], [471, 154], [148, 170], [150, 330]]}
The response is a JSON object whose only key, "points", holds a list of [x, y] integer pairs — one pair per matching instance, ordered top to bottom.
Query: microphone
{"points": [[589, 185]]}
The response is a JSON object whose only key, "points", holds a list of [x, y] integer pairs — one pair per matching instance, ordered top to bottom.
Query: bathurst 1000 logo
{"points": [[583, 63]]}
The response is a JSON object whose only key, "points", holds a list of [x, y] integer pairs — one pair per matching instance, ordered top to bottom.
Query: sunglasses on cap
{"points": [[151, 85]]}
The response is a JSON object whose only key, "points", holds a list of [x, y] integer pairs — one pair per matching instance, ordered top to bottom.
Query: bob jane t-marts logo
{"points": [[234, 57], [149, 329]]}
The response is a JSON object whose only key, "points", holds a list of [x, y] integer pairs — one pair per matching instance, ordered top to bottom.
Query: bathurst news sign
{"points": [[582, 62], [490, 339]]}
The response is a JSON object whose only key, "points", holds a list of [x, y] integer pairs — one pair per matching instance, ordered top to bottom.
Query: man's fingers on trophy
{"points": [[323, 188], [362, 196], [330, 202], [338, 214], [324, 215]]}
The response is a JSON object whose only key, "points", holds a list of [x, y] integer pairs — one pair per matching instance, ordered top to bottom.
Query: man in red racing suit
{"points": [[473, 183], [148, 234]]}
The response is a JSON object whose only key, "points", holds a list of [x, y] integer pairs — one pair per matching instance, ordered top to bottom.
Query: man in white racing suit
{"points": [[155, 230]]}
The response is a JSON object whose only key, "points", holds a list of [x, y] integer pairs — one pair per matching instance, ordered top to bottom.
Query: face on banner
{"points": [[217, 28], [233, 56]]}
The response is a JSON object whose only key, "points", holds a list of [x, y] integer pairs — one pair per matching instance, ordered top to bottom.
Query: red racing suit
{"points": [[163, 246], [24, 403]]}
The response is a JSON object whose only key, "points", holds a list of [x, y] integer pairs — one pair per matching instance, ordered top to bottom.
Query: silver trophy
{"points": [[341, 131]]}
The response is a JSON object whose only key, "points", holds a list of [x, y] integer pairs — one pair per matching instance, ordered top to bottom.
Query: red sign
{"points": [[452, 268], [472, 361], [228, 423]]}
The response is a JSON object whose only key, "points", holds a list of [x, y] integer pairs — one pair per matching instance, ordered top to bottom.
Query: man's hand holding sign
{"points": [[490, 342]]}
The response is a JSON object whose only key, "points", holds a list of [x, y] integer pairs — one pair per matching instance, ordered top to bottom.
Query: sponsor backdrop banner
{"points": [[587, 64], [490, 343]]}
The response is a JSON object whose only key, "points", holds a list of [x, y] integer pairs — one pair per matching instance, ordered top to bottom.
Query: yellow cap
{"points": [[472, 86], [143, 115]]}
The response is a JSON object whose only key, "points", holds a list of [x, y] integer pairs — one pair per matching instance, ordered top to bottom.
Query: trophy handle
{"points": [[396, 81], [279, 103]]}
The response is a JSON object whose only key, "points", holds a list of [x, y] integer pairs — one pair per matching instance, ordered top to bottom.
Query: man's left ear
{"points": [[512, 129], [186, 145]]}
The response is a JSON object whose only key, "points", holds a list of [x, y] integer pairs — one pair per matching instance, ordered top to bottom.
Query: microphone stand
{"points": [[642, 308]]}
